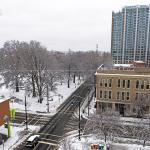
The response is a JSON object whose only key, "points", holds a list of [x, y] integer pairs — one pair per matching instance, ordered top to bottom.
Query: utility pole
{"points": [[97, 48], [69, 76], [47, 99], [88, 101], [26, 113], [79, 120], [3, 143]]}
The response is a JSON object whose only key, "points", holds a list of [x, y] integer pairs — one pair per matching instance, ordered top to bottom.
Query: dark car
{"points": [[32, 141]]}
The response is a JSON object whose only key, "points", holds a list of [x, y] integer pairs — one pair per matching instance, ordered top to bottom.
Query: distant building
{"points": [[130, 38], [118, 87], [4, 111], [5, 114]]}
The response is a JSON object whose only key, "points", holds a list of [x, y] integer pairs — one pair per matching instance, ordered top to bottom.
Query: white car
{"points": [[32, 141]]}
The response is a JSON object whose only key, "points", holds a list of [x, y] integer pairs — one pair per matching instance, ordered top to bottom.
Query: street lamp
{"points": [[88, 101], [25, 105], [79, 125]]}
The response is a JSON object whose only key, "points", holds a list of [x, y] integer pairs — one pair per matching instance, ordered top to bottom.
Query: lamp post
{"points": [[47, 99], [88, 101], [25, 105], [26, 112], [79, 124]]}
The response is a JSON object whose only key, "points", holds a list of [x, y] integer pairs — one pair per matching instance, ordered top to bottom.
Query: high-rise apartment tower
{"points": [[130, 38]]}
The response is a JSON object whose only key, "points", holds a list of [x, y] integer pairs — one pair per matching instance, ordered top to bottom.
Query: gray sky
{"points": [[61, 24]]}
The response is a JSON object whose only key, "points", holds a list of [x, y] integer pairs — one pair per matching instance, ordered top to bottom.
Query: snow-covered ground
{"points": [[33, 106], [17, 135], [72, 143]]}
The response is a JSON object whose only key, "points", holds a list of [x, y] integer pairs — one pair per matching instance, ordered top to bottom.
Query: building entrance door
{"points": [[121, 109]]}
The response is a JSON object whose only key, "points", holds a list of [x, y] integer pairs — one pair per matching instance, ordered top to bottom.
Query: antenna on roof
{"points": [[97, 47]]}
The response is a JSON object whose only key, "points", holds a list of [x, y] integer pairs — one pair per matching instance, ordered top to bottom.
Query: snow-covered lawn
{"points": [[32, 103]]}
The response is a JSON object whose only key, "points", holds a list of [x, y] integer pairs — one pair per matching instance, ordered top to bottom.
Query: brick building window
{"points": [[110, 82], [118, 82], [106, 83], [123, 83], [128, 84], [137, 84], [142, 84], [147, 85], [101, 94], [105, 94], [109, 94], [118, 95], [122, 96], [128, 96]]}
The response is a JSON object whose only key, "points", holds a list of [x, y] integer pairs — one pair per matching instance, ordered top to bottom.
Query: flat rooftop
{"points": [[123, 69]]}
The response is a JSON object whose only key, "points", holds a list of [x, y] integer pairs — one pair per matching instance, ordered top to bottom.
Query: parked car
{"points": [[32, 141]]}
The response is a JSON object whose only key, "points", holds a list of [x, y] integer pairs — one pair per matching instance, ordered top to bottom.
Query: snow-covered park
{"points": [[56, 98]]}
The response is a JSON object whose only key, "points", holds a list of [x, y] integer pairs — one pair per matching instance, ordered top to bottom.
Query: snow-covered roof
{"points": [[139, 61], [123, 65], [2, 100], [31, 138]]}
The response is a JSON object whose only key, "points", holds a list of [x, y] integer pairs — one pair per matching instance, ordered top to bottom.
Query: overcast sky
{"points": [[61, 24]]}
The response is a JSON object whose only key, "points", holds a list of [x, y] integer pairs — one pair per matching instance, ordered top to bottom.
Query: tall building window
{"points": [[118, 82], [106, 83], [123, 83], [128, 84], [137, 84], [142, 84], [147, 85], [101, 94], [105, 94], [109, 94], [118, 95], [123, 96], [128, 96], [136, 96]]}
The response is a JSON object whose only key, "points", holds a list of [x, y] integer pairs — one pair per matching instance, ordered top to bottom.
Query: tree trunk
{"points": [[79, 77], [74, 78], [51, 83], [68, 83], [17, 84], [33, 87], [40, 99], [105, 138], [144, 143]]}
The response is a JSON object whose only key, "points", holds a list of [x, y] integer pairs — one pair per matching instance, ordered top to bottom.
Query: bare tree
{"points": [[13, 65], [140, 104], [103, 124]]}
